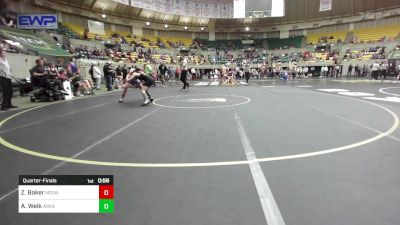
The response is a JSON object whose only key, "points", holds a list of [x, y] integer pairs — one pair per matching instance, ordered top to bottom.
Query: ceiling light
{"points": [[104, 15], [147, 23], [166, 25], [186, 28], [202, 28], [247, 28]]}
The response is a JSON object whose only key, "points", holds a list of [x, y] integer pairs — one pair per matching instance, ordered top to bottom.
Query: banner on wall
{"points": [[125, 2], [137, 3], [148, 4], [158, 5], [325, 5], [169, 6], [187, 6], [179, 7], [196, 8], [206, 10], [215, 10], [224, 10], [231, 12], [368, 16], [37, 21], [96, 27]]}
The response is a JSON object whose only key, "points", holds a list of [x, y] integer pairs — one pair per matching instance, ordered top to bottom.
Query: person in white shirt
{"points": [[185, 61], [375, 70], [384, 70], [299, 71], [305, 71], [323, 71], [326, 71], [337, 71], [398, 71], [193, 72], [237, 72], [254, 72], [96, 75], [5, 82]]}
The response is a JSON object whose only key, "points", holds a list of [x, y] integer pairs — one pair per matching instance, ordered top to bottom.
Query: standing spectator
{"points": [[86, 34], [148, 69], [312, 70], [341, 70], [350, 70], [357, 70], [375, 70], [384, 70], [118, 71], [163, 71], [299, 71], [305, 71], [338, 71], [364, 71], [398, 71], [124, 72], [177, 72], [193, 72], [237, 72], [247, 72], [254, 72], [91, 73], [184, 74], [323, 74], [108, 75], [96, 76], [117, 77], [5, 82]]}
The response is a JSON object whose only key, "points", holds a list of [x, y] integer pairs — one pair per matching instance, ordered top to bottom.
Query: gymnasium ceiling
{"points": [[296, 11]]}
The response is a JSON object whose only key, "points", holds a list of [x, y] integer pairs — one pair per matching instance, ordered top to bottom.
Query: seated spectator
{"points": [[62, 74], [43, 77], [77, 82]]}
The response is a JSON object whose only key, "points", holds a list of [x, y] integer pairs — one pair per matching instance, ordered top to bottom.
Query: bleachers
{"points": [[77, 29], [66, 31], [377, 33], [315, 38], [147, 41], [150, 41], [186, 42], [285, 43], [222, 44], [365, 54]]}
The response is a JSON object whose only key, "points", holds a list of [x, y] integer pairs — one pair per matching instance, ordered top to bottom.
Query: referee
{"points": [[183, 77], [5, 82]]}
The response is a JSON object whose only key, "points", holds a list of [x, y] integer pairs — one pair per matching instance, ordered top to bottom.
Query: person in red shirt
{"points": [[177, 72]]}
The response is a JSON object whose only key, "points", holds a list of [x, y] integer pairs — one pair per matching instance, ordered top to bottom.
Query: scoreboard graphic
{"points": [[66, 194]]}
